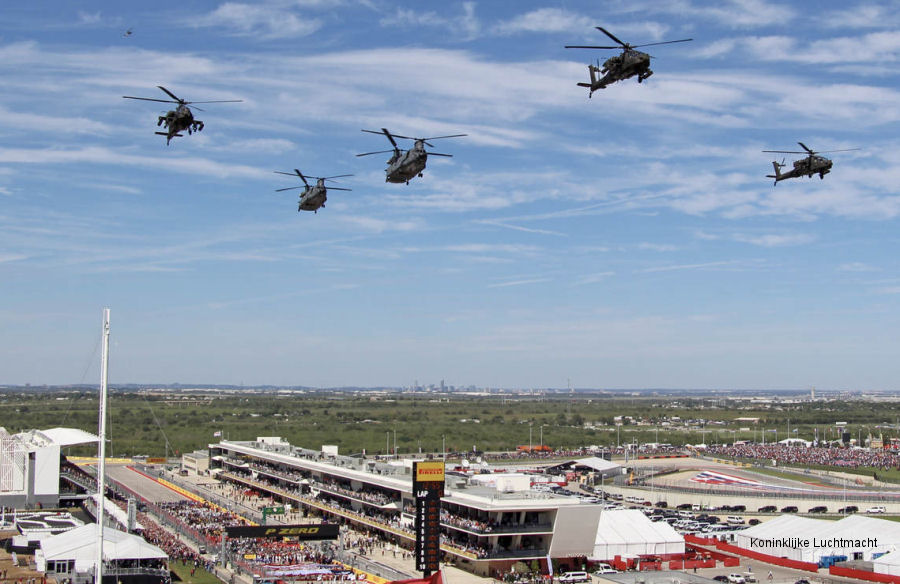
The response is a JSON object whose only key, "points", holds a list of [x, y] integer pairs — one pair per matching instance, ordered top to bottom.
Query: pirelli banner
{"points": [[428, 488], [302, 532]]}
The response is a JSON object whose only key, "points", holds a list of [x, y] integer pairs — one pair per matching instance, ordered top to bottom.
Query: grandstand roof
{"points": [[69, 436]]}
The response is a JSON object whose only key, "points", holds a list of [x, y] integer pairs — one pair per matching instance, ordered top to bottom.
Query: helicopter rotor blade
{"points": [[610, 35], [662, 43], [589, 47], [170, 94], [149, 99], [218, 101], [193, 107], [387, 133], [439, 137], [805, 147], [842, 150], [785, 151], [376, 152], [439, 154], [331, 177], [303, 178], [288, 189], [338, 189]]}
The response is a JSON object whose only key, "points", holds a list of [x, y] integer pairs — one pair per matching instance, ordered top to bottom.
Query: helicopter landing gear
{"points": [[643, 76], [160, 121], [420, 175], [821, 176]]}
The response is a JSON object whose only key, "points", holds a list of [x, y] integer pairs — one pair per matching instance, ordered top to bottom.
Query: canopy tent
{"points": [[630, 532], [856, 536], [80, 545], [887, 564]]}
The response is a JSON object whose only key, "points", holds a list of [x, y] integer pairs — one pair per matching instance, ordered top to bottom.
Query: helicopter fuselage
{"points": [[623, 66], [177, 121], [404, 166], [804, 167], [312, 199]]}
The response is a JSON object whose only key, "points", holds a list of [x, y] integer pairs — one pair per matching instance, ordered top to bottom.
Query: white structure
{"points": [[29, 465], [488, 526], [628, 532], [808, 540], [73, 555], [887, 564]]}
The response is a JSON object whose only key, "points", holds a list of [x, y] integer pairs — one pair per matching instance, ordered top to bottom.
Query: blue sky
{"points": [[628, 240]]}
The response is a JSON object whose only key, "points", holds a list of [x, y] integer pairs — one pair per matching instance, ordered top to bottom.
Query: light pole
{"points": [[542, 434], [529, 438]]}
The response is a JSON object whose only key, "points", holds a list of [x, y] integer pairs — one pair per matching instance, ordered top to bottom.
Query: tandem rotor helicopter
{"points": [[623, 66], [181, 118], [812, 164], [405, 165], [313, 197]]}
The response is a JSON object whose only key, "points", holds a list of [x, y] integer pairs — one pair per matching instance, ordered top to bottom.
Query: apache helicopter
{"points": [[627, 64], [181, 118], [812, 164], [405, 165], [312, 198]]}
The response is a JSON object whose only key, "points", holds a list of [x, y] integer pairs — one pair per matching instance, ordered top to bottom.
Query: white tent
{"points": [[630, 532], [781, 537], [808, 540], [80, 545], [887, 564]]}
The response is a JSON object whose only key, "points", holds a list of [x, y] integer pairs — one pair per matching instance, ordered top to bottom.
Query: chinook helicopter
{"points": [[623, 66], [181, 118], [812, 164], [405, 165], [313, 197]]}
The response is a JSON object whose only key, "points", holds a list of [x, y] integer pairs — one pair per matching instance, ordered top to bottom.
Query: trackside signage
{"points": [[428, 471], [301, 532]]}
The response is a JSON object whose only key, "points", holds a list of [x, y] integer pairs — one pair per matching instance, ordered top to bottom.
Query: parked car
{"points": [[662, 504], [684, 506], [768, 509], [789, 509], [819, 509], [848, 509], [876, 509], [753, 521], [605, 569], [572, 577], [721, 578], [736, 579], [802, 581]]}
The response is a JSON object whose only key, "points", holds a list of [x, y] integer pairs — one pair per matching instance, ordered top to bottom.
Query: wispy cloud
{"points": [[547, 20], [266, 21], [465, 25], [775, 240], [681, 267], [857, 267], [519, 283]]}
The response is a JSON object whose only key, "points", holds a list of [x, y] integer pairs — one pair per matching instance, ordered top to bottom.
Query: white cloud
{"points": [[263, 20], [545, 20], [465, 25], [775, 240], [661, 247], [681, 267], [857, 267], [519, 283]]}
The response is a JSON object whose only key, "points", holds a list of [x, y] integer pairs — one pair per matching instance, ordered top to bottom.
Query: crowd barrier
{"points": [[863, 575]]}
